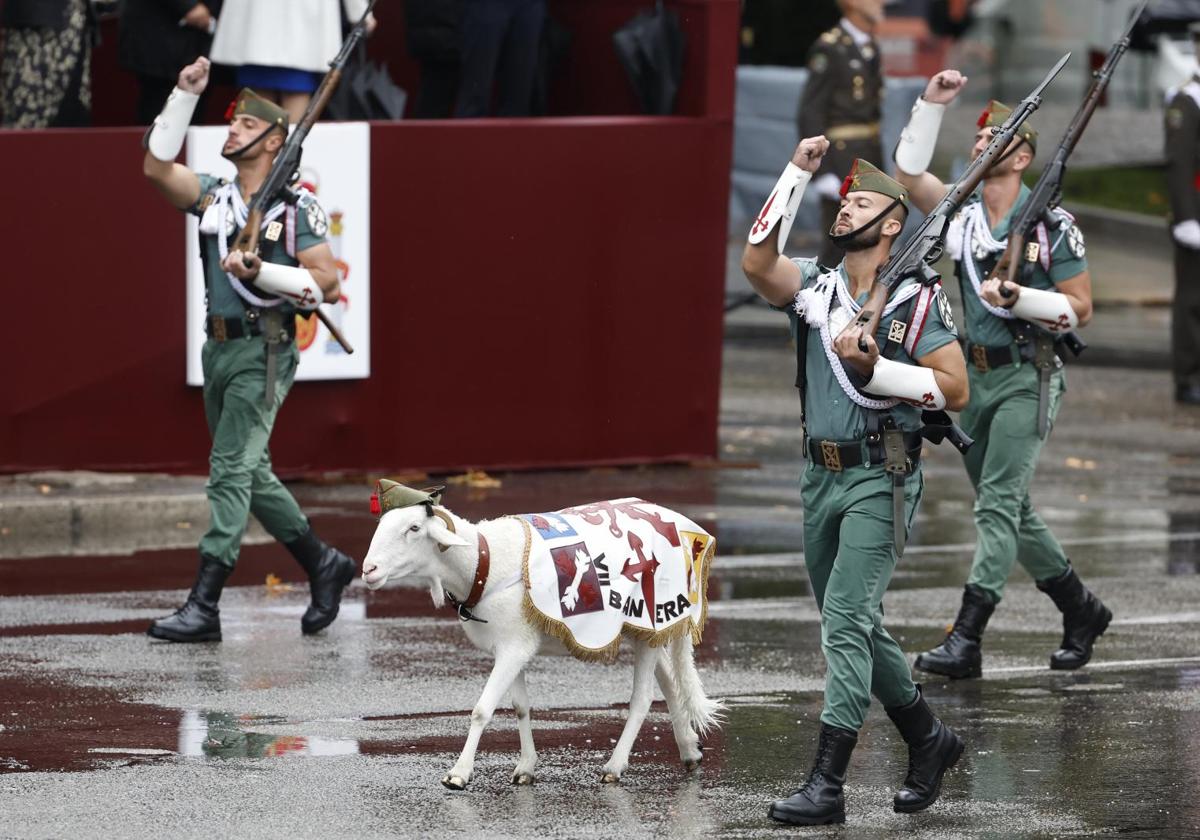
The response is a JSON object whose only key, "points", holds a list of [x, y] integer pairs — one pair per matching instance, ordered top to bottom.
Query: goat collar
{"points": [[482, 567]]}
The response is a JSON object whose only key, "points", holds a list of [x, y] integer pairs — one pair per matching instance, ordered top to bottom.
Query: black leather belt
{"points": [[219, 328], [990, 358], [841, 455]]}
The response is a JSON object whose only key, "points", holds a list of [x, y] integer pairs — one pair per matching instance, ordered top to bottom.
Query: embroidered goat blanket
{"points": [[602, 570]]}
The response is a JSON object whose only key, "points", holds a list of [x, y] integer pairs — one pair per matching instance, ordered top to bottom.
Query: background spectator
{"points": [[432, 31], [156, 39], [500, 41], [281, 48], [45, 73]]}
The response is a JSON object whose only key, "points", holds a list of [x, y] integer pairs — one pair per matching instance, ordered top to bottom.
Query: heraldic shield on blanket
{"points": [[598, 571]]}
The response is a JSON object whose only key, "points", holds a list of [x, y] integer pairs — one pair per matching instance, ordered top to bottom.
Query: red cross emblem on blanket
{"points": [[645, 567]]}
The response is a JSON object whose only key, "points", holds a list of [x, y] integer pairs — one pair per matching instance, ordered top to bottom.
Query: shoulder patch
{"points": [[818, 63], [317, 220], [1075, 242], [945, 311]]}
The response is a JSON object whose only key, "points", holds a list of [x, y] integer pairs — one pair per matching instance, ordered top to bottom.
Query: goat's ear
{"points": [[441, 534]]}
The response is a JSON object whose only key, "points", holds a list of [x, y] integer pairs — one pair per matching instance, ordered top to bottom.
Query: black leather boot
{"points": [[329, 571], [1085, 618], [199, 619], [959, 654], [933, 748], [819, 800]]}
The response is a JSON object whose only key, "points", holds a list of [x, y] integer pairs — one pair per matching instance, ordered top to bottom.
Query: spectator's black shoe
{"points": [[329, 572], [199, 619], [1085, 619], [959, 655], [933, 748], [819, 800]]}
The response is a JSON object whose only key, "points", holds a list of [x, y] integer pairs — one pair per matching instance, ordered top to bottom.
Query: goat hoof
{"points": [[691, 764], [522, 779], [609, 779], [454, 782]]}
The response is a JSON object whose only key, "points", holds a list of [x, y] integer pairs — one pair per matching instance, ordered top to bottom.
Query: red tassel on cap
{"points": [[229, 111], [983, 118], [845, 186], [375, 507]]}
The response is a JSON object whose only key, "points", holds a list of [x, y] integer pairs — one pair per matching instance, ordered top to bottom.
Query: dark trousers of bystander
{"points": [[499, 40], [435, 94], [1185, 321]]}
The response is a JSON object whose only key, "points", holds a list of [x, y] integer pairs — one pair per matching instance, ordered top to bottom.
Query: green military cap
{"points": [[249, 102], [996, 113], [865, 176], [390, 495]]}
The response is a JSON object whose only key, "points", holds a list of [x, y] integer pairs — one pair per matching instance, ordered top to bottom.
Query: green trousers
{"points": [[1002, 418], [240, 480], [850, 559]]}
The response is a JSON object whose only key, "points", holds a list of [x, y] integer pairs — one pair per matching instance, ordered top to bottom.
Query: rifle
{"points": [[286, 168], [924, 247], [1017, 261]]}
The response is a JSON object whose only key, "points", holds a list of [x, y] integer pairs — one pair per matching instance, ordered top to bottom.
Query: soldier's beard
{"points": [[864, 240]]}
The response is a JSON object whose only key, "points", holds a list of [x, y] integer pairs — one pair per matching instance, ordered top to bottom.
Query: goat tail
{"points": [[703, 713]]}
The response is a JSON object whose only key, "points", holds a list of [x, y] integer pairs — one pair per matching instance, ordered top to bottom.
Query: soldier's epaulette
{"points": [[832, 36]]}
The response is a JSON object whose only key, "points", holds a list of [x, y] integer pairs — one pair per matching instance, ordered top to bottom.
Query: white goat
{"points": [[410, 543]]}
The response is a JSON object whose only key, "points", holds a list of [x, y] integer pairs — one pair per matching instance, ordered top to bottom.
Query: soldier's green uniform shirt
{"points": [[222, 299], [981, 326], [832, 415], [1002, 418], [240, 479], [848, 536]]}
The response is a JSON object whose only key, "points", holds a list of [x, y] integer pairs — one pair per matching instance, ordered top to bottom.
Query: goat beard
{"points": [[436, 592]]}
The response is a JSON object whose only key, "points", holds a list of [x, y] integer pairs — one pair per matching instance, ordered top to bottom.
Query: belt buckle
{"points": [[218, 328], [979, 358], [831, 455]]}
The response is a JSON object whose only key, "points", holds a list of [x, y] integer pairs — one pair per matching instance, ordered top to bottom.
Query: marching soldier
{"points": [[842, 101], [1183, 181], [250, 357], [1016, 378], [863, 438]]}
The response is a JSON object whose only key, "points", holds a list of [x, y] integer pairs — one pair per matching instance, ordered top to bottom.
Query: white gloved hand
{"points": [[1187, 234]]}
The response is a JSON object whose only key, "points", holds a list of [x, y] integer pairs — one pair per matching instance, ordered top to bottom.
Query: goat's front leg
{"points": [[644, 660], [509, 663], [523, 775]]}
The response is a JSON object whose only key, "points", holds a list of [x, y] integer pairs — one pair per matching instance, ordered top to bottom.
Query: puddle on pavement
{"points": [[54, 725], [222, 735]]}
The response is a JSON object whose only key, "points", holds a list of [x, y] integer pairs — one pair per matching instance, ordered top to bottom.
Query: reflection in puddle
{"points": [[221, 735]]}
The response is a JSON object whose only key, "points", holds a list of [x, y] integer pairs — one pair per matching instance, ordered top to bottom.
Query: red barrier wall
{"points": [[545, 292], [515, 321]]}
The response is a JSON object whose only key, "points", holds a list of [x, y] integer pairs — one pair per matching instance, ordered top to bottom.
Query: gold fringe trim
{"points": [[608, 654]]}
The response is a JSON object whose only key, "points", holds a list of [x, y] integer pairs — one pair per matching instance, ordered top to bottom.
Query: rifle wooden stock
{"points": [[247, 238], [1008, 267]]}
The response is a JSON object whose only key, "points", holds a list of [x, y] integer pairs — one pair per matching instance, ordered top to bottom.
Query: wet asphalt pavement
{"points": [[104, 733]]}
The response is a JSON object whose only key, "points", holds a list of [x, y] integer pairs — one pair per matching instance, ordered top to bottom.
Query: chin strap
{"points": [[1016, 148], [237, 153], [841, 240]]}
